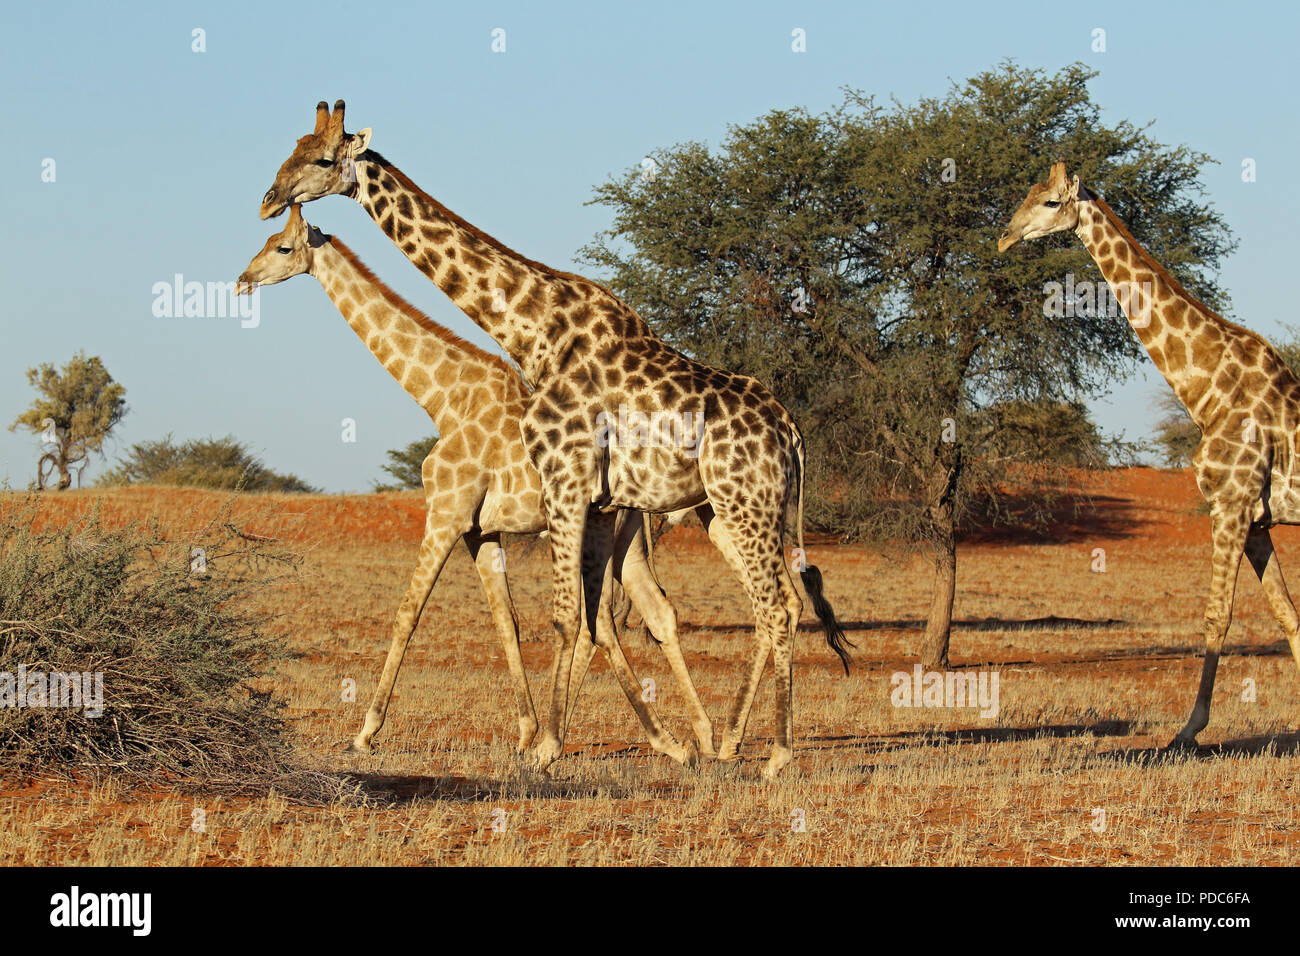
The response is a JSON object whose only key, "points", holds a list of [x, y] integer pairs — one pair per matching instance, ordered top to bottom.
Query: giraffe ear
{"points": [[361, 141], [1074, 188]]}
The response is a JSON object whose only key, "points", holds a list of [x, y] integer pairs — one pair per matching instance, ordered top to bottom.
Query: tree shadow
{"points": [[1058, 522]]}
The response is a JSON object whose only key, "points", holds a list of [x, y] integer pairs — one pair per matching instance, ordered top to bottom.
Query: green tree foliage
{"points": [[849, 261], [76, 409], [1057, 432], [1176, 434], [222, 463], [404, 465]]}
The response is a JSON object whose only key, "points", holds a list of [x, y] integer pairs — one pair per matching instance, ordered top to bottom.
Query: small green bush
{"points": [[221, 463]]}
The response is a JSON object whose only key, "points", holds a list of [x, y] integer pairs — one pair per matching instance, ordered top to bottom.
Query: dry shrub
{"points": [[172, 624]]}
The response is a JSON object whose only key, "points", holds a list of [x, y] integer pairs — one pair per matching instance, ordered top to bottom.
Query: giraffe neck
{"points": [[528, 308], [1185, 340], [426, 360]]}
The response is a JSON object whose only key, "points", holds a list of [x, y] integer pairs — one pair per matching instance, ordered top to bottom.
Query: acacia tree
{"points": [[849, 261], [76, 409], [224, 463], [405, 464]]}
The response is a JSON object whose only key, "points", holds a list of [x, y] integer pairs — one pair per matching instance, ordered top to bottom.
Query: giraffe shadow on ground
{"points": [[1051, 623], [1192, 650], [877, 744], [1262, 745], [401, 789]]}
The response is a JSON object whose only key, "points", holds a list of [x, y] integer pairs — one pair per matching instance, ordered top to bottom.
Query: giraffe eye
{"points": [[325, 162], [1051, 204], [284, 250]]}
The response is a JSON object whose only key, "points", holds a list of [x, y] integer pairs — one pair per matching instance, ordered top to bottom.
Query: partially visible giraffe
{"points": [[596, 366], [1236, 388], [478, 480]]}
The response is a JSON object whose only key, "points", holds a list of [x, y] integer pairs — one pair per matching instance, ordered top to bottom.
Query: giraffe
{"points": [[602, 383], [1236, 388], [478, 480]]}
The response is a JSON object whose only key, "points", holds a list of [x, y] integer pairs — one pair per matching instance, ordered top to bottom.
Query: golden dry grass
{"points": [[1085, 700]]}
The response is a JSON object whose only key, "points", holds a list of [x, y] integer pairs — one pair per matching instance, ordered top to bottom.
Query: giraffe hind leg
{"points": [[567, 526], [1230, 529], [1263, 559], [760, 565], [633, 569], [598, 582]]}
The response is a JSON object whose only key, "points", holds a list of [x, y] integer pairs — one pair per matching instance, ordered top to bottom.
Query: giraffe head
{"points": [[320, 165], [1050, 207], [286, 254]]}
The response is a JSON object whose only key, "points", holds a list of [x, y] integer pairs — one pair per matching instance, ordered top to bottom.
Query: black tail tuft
{"points": [[835, 637]]}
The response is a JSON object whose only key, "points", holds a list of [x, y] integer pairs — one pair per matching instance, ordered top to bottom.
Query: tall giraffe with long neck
{"points": [[1236, 388], [617, 419], [477, 479]]}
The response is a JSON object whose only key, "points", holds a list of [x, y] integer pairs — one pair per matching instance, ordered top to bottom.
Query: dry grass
{"points": [[1085, 700]]}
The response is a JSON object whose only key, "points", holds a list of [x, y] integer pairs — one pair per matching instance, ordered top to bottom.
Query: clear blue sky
{"points": [[162, 155]]}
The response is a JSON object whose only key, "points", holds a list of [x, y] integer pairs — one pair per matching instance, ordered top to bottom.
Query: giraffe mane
{"points": [[479, 234], [1150, 262], [411, 312]]}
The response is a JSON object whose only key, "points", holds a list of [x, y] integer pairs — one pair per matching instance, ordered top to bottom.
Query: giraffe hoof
{"points": [[355, 748], [543, 755], [691, 758], [775, 764]]}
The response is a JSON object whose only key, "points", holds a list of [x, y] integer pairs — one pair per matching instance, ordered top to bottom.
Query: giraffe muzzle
{"points": [[272, 206]]}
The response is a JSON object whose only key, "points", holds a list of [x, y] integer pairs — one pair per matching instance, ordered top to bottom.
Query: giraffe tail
{"points": [[811, 576]]}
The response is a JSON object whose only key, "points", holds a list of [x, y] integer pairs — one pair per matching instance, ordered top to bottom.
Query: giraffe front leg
{"points": [[567, 527], [1230, 527], [441, 532], [489, 559], [583, 651]]}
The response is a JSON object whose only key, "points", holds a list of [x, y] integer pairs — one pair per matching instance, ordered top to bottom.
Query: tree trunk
{"points": [[65, 473], [938, 626]]}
